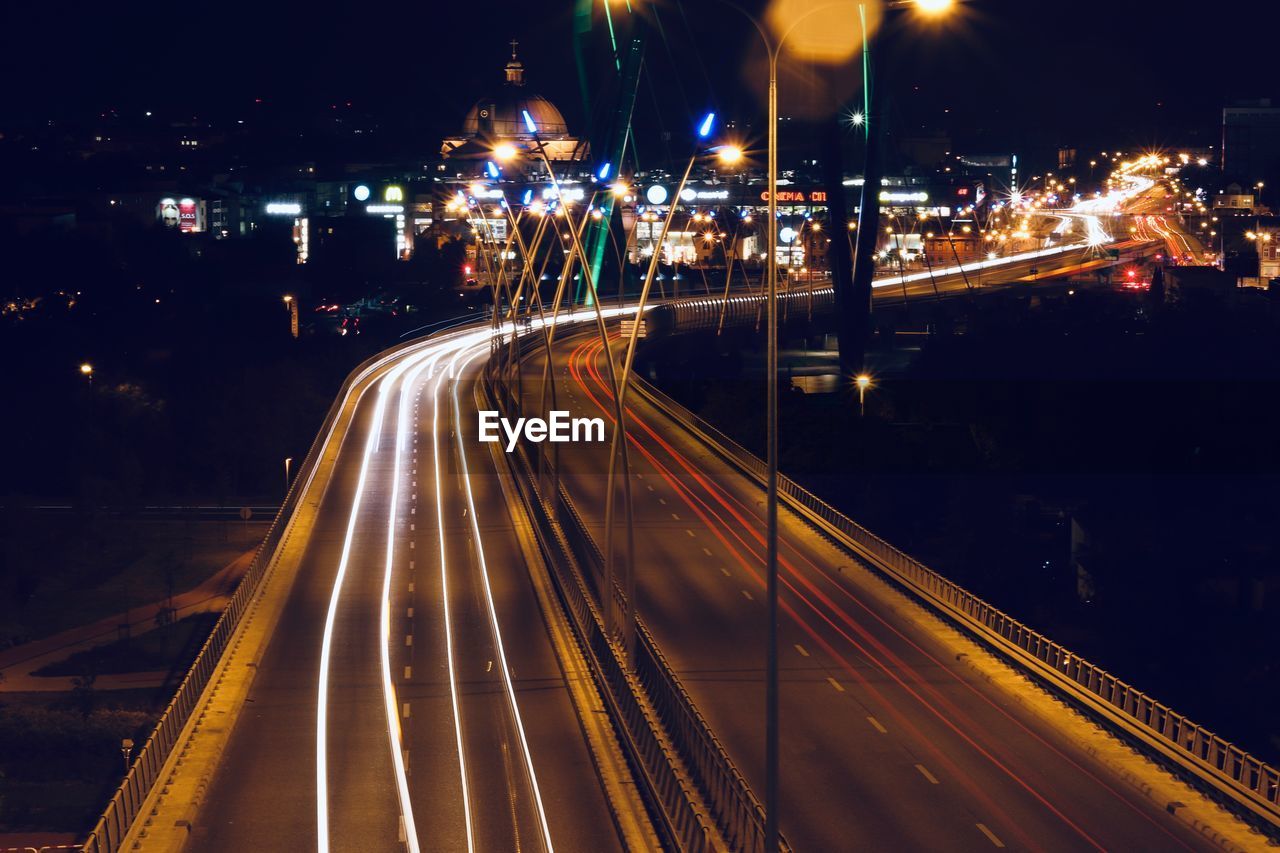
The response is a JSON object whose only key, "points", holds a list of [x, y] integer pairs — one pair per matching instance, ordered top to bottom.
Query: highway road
{"points": [[410, 690], [410, 694], [888, 741]]}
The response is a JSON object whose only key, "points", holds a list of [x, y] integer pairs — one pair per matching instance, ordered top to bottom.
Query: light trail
{"points": [[493, 612], [448, 620], [326, 645], [394, 731]]}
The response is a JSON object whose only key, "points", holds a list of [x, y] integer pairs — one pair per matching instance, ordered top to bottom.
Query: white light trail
{"points": [[493, 612], [448, 623], [326, 645], [391, 705]]}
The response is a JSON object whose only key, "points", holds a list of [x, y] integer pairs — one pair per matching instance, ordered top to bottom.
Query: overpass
{"points": [[422, 654]]}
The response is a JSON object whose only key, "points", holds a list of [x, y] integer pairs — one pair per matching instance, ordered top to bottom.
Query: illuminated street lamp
{"points": [[292, 304], [86, 370], [863, 381]]}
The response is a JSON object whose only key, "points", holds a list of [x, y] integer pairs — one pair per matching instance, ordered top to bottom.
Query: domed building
{"points": [[497, 119]]}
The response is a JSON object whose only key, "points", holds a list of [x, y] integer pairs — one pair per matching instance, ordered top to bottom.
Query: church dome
{"points": [[502, 115]]}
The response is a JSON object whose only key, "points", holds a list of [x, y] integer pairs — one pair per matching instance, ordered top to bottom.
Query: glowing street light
{"points": [[934, 7], [505, 152], [729, 154], [863, 381]]}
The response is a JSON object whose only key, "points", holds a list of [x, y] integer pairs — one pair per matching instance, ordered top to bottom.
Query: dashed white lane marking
{"points": [[641, 476], [648, 486], [662, 501], [676, 517], [412, 526], [690, 532], [411, 545], [707, 551], [411, 564], [724, 571], [410, 586], [748, 595], [410, 613], [408, 639], [801, 649], [408, 673], [837, 685], [406, 710], [878, 725], [924, 771], [991, 836]]}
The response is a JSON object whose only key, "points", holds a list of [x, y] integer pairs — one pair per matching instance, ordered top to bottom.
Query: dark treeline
{"points": [[198, 391]]}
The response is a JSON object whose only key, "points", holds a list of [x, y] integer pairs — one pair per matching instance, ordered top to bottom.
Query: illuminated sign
{"points": [[361, 193], [393, 193], [569, 193], [656, 194], [690, 194], [886, 195], [796, 196], [283, 208], [384, 208], [167, 212], [187, 216]]}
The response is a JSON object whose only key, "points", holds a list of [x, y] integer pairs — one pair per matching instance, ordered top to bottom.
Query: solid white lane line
{"points": [[493, 611], [924, 771], [991, 836]]}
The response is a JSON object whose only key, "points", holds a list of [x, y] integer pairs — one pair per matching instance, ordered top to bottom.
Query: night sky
{"points": [[1087, 72]]}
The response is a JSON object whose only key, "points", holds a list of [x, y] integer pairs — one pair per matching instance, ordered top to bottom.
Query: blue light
{"points": [[528, 122], [704, 129], [491, 168], [605, 170], [528, 197]]}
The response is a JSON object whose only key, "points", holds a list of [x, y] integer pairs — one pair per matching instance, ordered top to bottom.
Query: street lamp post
{"points": [[866, 247], [292, 305], [287, 461]]}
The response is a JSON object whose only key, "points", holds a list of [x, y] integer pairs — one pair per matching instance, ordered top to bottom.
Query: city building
{"points": [[500, 119], [1251, 140]]}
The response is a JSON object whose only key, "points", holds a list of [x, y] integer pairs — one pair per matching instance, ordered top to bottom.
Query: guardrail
{"points": [[666, 738], [1243, 779], [126, 803]]}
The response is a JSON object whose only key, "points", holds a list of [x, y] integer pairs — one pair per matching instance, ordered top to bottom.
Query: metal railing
{"points": [[667, 740], [1244, 779], [125, 805]]}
